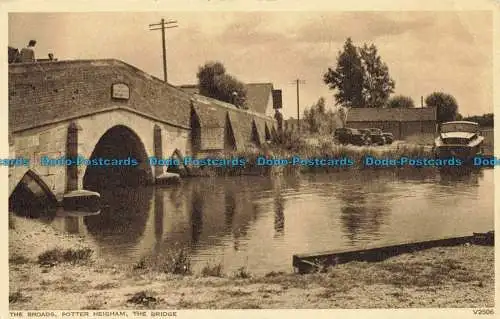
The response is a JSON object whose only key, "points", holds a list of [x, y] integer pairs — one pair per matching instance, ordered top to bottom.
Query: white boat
{"points": [[459, 139]]}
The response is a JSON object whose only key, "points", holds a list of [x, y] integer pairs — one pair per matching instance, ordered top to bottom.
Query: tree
{"points": [[347, 77], [361, 78], [214, 82], [377, 84], [400, 101], [447, 107], [342, 114], [314, 115], [320, 120], [485, 120]]}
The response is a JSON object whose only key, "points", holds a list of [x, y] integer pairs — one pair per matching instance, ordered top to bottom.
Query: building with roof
{"points": [[261, 97], [403, 123]]}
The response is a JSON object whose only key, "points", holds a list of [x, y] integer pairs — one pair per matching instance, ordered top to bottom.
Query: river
{"points": [[260, 222]]}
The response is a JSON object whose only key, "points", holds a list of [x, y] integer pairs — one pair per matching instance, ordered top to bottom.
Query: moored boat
{"points": [[458, 139], [82, 201]]}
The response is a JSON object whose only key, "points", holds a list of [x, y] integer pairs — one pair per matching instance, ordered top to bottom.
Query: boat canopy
{"points": [[459, 126]]}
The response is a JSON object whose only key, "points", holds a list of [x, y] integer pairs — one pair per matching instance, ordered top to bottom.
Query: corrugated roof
{"points": [[258, 95], [391, 114], [209, 115], [238, 131], [261, 131]]}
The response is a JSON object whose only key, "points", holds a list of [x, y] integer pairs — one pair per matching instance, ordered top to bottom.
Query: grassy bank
{"points": [[324, 148], [50, 270]]}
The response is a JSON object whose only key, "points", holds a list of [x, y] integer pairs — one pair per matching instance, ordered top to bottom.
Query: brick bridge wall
{"points": [[44, 98]]}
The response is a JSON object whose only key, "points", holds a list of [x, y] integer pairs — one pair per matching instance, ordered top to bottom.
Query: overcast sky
{"points": [[425, 51]]}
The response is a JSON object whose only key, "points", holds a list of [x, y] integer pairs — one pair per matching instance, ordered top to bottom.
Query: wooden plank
{"points": [[308, 262]]}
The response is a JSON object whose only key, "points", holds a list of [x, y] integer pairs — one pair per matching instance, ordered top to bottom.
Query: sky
{"points": [[425, 51]]}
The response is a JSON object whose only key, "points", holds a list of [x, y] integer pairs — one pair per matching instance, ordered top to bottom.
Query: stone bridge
{"points": [[110, 109]]}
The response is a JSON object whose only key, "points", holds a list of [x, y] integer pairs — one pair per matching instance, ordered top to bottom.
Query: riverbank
{"points": [[335, 158], [70, 277]]}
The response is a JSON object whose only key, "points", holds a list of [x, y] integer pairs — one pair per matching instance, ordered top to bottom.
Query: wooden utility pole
{"points": [[162, 26], [297, 82]]}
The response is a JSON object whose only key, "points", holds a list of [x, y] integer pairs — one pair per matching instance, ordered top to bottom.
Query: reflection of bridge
{"points": [[109, 109]]}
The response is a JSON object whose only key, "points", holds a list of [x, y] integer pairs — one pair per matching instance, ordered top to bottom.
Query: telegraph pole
{"points": [[162, 26], [297, 82]]}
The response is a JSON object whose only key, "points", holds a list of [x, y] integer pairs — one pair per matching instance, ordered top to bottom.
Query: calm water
{"points": [[260, 222]]}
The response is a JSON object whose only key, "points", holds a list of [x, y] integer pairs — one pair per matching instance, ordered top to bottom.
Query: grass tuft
{"points": [[57, 255], [18, 260], [176, 261], [212, 271], [242, 273], [17, 297], [144, 298]]}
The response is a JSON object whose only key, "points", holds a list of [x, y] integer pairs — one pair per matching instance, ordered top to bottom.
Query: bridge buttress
{"points": [[158, 149], [72, 153], [75, 197]]}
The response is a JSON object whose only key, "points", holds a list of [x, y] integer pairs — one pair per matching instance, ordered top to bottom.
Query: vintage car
{"points": [[347, 135], [366, 135], [376, 136], [389, 138], [459, 139]]}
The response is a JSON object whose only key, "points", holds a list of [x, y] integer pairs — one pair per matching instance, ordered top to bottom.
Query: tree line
{"points": [[361, 79]]}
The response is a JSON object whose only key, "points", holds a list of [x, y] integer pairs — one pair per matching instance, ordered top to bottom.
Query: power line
{"points": [[162, 26]]}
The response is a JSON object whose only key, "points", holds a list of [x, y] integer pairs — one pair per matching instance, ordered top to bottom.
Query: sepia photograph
{"points": [[169, 160]]}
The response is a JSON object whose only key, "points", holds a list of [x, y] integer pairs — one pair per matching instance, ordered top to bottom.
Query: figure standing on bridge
{"points": [[28, 53]]}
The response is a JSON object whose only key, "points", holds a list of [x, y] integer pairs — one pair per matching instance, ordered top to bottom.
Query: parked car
{"points": [[347, 135], [366, 135], [376, 136], [389, 138]]}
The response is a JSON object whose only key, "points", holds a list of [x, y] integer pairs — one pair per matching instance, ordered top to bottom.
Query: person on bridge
{"points": [[28, 53]]}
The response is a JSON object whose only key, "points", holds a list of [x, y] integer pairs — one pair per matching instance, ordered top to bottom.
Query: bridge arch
{"points": [[120, 142], [181, 168], [32, 197]]}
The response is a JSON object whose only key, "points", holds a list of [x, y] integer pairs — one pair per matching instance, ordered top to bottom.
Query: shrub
{"points": [[58, 255], [212, 271], [242, 273]]}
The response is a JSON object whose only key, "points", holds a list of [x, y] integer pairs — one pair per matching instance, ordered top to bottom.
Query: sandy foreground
{"points": [[440, 277]]}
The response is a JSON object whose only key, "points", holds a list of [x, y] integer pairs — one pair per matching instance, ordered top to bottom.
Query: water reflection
{"points": [[467, 176], [32, 198], [229, 208], [279, 209], [363, 210], [123, 215], [279, 215], [196, 216], [159, 217], [241, 220]]}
